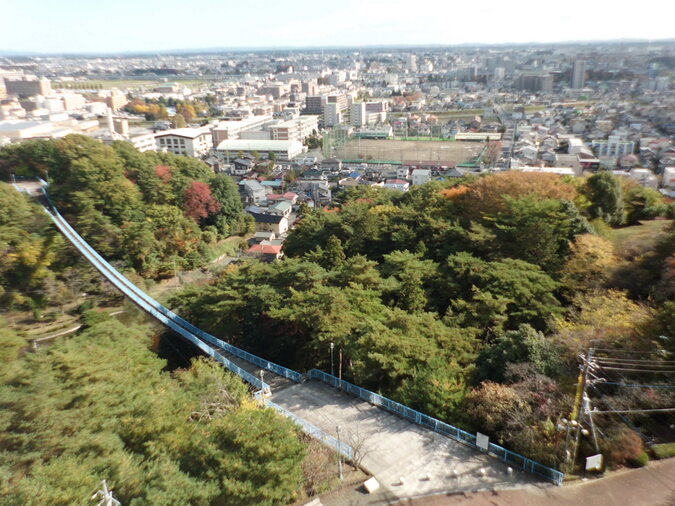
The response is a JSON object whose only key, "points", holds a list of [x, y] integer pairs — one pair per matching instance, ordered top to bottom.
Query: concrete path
{"points": [[408, 460]]}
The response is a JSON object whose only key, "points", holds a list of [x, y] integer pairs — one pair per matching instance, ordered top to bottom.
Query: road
{"points": [[653, 485]]}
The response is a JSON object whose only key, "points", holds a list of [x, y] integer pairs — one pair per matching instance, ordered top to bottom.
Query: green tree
{"points": [[178, 121], [605, 195], [516, 346]]}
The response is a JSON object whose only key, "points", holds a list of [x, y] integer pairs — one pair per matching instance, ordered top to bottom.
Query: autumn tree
{"points": [[487, 194], [199, 202], [591, 263]]}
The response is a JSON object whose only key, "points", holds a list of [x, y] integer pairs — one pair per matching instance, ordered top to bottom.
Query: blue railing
{"points": [[88, 251], [115, 278], [197, 337], [436, 425], [315, 432]]}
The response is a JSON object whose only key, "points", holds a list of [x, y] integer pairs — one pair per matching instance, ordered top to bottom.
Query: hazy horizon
{"points": [[78, 27]]}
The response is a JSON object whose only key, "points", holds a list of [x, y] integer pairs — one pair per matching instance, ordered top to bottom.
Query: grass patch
{"points": [[633, 240], [228, 247], [664, 450]]}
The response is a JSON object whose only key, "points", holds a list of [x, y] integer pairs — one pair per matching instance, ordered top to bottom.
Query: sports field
{"points": [[450, 152]]}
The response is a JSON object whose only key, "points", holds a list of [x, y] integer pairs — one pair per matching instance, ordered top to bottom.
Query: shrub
{"points": [[624, 448], [664, 450], [640, 460]]}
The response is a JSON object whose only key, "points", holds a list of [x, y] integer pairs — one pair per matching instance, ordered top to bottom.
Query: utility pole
{"points": [[340, 366], [581, 394]]}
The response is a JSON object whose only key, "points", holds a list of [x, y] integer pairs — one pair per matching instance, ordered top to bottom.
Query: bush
{"points": [[624, 447], [664, 450], [640, 460]]}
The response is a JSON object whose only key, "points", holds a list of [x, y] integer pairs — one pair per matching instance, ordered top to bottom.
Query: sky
{"points": [[114, 26]]}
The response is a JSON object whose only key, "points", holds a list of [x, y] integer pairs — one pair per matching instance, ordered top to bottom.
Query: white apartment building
{"points": [[332, 114], [358, 114], [232, 129], [297, 129], [144, 142], [194, 142], [614, 146], [283, 150]]}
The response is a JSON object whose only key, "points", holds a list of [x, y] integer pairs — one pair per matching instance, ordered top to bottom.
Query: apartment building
{"points": [[28, 87], [116, 100], [314, 104], [332, 114], [232, 129], [297, 129], [194, 142], [614, 146]]}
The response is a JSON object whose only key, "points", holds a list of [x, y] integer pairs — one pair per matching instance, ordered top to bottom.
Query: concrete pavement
{"points": [[408, 460]]}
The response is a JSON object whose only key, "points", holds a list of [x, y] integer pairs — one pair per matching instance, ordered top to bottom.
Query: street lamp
{"points": [[332, 347], [337, 429]]}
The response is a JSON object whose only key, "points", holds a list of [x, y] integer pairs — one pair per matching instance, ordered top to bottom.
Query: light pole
{"points": [[332, 347], [337, 429]]}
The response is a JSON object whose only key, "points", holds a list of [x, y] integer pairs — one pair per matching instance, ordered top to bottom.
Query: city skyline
{"points": [[75, 27]]}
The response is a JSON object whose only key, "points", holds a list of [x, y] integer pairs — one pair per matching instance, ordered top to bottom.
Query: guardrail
{"points": [[88, 251], [436, 425], [315, 432]]}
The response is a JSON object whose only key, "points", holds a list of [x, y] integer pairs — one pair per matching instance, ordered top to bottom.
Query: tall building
{"points": [[412, 63], [579, 74], [535, 82], [28, 87], [116, 100], [314, 104], [332, 114], [358, 114]]}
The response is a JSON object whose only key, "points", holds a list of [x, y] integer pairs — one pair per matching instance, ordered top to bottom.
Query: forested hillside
{"points": [[146, 210], [470, 301], [100, 406]]}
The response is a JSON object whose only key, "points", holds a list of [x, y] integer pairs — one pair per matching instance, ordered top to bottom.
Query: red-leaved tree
{"points": [[199, 202]]}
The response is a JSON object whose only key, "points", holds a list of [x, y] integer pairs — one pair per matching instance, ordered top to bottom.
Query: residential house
{"points": [[242, 166], [421, 176], [253, 191], [265, 252]]}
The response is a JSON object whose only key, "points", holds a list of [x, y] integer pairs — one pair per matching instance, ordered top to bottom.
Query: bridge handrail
{"points": [[105, 268], [238, 352], [438, 426], [339, 446]]}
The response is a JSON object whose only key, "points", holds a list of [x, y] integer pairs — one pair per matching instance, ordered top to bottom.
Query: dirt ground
{"points": [[399, 151]]}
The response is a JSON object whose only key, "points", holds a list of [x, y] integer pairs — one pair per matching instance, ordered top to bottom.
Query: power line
{"points": [[631, 352], [632, 360], [669, 371], [636, 385], [657, 410]]}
